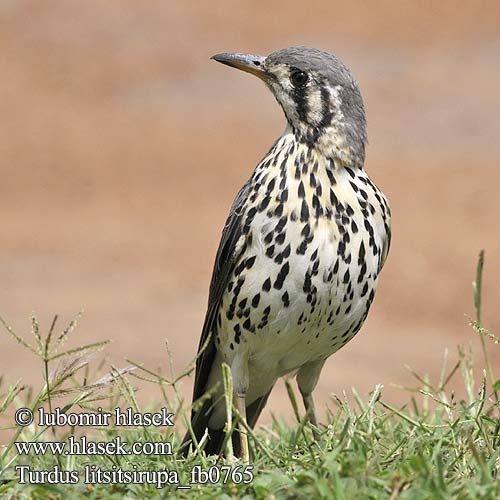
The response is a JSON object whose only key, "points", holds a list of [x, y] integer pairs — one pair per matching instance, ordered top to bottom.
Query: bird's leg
{"points": [[239, 371], [307, 378], [309, 406], [242, 409]]}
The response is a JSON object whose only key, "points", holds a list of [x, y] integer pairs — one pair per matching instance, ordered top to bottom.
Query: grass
{"points": [[433, 447]]}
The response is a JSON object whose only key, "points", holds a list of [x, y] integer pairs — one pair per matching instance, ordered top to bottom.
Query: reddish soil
{"points": [[122, 146]]}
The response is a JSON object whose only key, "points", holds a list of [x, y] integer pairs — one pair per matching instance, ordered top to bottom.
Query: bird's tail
{"points": [[215, 437]]}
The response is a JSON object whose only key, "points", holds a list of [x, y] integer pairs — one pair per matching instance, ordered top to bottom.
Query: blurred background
{"points": [[122, 146]]}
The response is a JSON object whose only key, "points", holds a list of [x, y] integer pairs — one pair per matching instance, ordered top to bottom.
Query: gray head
{"points": [[319, 95]]}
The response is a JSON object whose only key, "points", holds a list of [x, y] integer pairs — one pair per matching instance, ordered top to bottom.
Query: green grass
{"points": [[433, 447]]}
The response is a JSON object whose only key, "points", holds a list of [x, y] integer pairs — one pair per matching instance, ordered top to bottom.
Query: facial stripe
{"points": [[300, 97], [326, 109]]}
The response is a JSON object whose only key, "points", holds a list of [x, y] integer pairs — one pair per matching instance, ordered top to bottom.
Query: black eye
{"points": [[298, 78]]}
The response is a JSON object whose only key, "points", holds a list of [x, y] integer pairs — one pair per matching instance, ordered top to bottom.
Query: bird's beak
{"points": [[246, 62]]}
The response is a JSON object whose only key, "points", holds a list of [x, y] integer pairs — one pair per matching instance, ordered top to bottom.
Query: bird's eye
{"points": [[298, 78]]}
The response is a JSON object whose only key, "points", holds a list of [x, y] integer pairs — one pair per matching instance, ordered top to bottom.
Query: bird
{"points": [[301, 252]]}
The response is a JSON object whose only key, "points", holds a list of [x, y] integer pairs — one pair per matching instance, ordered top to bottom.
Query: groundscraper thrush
{"points": [[302, 249]]}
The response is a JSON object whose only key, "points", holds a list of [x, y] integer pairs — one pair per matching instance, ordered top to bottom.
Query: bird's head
{"points": [[319, 95]]}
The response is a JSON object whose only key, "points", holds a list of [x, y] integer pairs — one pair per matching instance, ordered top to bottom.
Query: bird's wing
{"points": [[227, 255]]}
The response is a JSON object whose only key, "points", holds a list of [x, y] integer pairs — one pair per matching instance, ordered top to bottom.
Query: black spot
{"points": [[329, 172], [350, 172], [312, 180], [301, 191], [333, 198], [264, 203], [317, 206], [304, 211], [251, 213], [281, 223], [281, 238], [341, 248], [301, 249], [270, 251], [286, 252], [362, 253], [250, 262], [336, 267], [239, 268], [315, 268], [362, 272], [346, 276], [280, 279], [307, 284], [267, 285], [238, 286], [286, 299], [256, 300], [331, 318], [247, 325], [237, 332]]}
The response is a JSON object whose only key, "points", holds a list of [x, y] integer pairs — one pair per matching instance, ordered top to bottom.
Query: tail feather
{"points": [[199, 425]]}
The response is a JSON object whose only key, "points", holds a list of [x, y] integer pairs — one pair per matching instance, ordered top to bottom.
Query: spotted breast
{"points": [[315, 236]]}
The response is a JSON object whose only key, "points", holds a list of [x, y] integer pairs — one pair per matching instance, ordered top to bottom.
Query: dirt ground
{"points": [[122, 146]]}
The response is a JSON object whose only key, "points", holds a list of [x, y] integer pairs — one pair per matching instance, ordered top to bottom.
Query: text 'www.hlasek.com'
{"points": [[116, 446]]}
